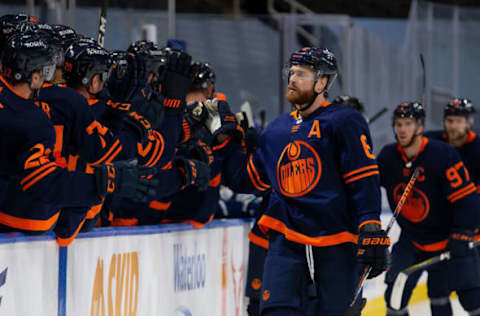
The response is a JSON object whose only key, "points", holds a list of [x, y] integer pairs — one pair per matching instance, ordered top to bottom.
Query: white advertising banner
{"points": [[187, 272], [29, 278]]}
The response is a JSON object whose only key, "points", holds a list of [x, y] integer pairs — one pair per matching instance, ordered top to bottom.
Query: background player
{"points": [[441, 213]]}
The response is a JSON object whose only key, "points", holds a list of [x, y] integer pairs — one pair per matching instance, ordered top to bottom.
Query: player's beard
{"points": [[299, 97], [457, 135]]}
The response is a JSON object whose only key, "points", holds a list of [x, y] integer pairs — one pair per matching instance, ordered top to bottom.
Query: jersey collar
{"points": [[9, 87], [422, 148]]}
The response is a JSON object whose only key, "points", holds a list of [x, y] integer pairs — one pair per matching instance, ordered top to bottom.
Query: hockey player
{"points": [[457, 119], [194, 147], [37, 186], [323, 200], [440, 214]]}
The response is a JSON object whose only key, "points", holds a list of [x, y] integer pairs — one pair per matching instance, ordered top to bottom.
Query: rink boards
{"points": [[151, 270]]}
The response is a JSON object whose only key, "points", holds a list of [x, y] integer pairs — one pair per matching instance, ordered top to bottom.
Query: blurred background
{"points": [[378, 45]]}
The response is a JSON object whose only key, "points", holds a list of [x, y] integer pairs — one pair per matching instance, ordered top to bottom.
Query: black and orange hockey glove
{"points": [[177, 81], [222, 120], [197, 173], [126, 179], [459, 242], [372, 249]]}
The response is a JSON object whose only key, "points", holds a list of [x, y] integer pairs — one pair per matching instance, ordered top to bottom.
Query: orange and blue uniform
{"points": [[469, 152], [325, 184], [38, 187], [443, 199]]}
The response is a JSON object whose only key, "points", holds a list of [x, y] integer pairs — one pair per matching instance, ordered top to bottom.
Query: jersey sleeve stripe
{"points": [[222, 145], [109, 152], [157, 152], [37, 171], [354, 172], [367, 174], [257, 176], [38, 178], [252, 178], [215, 181], [478, 188], [461, 191], [458, 197], [159, 206], [94, 210], [266, 223], [28, 224], [257, 240], [64, 242]]}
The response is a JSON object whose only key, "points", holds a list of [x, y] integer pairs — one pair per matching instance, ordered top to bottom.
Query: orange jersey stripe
{"points": [[222, 145], [109, 152], [160, 153], [351, 173], [371, 173], [33, 174], [257, 176], [38, 178], [252, 178], [215, 181], [461, 191], [458, 197], [159, 206], [93, 211], [124, 222], [266, 223], [28, 224], [257, 240], [64, 242], [432, 247]]}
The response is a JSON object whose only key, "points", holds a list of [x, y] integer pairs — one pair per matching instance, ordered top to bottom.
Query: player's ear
{"points": [[37, 80], [321, 84]]}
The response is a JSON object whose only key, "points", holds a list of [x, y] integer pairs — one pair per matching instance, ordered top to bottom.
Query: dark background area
{"points": [[355, 8]]}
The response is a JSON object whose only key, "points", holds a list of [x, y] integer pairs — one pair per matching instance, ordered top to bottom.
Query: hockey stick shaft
{"points": [[102, 24], [424, 79], [377, 115], [398, 208], [402, 277]]}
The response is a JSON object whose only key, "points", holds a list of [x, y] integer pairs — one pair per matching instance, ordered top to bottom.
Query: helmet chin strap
{"points": [[315, 95]]}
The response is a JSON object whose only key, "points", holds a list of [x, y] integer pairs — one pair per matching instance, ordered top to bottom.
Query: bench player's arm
{"points": [[241, 172]]}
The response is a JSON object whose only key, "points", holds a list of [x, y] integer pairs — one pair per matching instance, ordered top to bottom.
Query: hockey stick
{"points": [[102, 24], [424, 81], [377, 115], [402, 277], [357, 305]]}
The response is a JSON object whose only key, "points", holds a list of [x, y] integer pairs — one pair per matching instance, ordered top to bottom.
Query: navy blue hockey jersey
{"points": [[469, 152], [322, 171], [37, 186], [443, 197]]}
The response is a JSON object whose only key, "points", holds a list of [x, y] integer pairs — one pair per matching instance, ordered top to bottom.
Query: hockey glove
{"points": [[177, 81], [124, 84], [150, 108], [221, 120], [193, 123], [140, 125], [252, 139], [197, 150], [197, 173], [126, 179], [458, 243], [373, 250]]}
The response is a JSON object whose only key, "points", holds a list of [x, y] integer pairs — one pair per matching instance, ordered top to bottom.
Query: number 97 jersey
{"points": [[443, 197]]}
